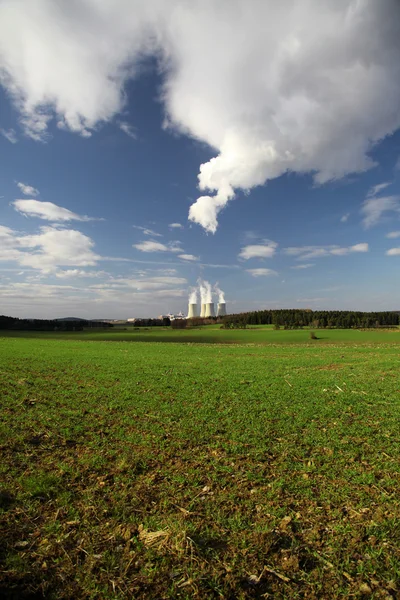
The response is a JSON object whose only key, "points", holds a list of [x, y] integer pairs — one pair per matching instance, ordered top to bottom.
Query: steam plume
{"points": [[205, 291], [221, 294], [193, 296]]}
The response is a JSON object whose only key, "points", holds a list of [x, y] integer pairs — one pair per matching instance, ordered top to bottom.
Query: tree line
{"points": [[297, 318], [14, 323]]}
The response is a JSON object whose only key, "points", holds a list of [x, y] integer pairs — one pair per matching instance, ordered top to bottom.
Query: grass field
{"points": [[213, 334], [262, 469]]}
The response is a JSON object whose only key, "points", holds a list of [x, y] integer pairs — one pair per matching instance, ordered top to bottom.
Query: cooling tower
{"points": [[203, 310], [192, 311], [210, 312], [221, 312]]}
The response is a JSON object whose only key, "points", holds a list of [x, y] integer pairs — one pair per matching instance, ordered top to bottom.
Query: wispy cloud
{"points": [[128, 129], [10, 135], [376, 189], [27, 190], [374, 208], [48, 211], [344, 218], [175, 226], [147, 231], [393, 235], [152, 246], [265, 250], [307, 252], [393, 252], [216, 266], [305, 266], [261, 272], [80, 273], [311, 299]]}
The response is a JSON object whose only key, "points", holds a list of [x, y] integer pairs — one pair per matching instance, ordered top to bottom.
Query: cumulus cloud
{"points": [[269, 86], [10, 135], [27, 190], [374, 208], [48, 211], [175, 226], [146, 231], [393, 235], [152, 246], [48, 249], [266, 250], [307, 252], [393, 252], [189, 257], [261, 272]]}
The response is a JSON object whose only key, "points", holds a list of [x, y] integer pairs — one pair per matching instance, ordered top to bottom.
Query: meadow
{"points": [[255, 464]]}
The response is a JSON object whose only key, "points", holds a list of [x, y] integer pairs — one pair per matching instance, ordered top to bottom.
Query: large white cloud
{"points": [[270, 86], [48, 249]]}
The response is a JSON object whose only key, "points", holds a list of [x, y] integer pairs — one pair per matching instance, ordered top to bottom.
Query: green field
{"points": [[213, 334], [263, 466]]}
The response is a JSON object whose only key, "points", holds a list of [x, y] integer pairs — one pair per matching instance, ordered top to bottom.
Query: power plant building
{"points": [[221, 310], [192, 311]]}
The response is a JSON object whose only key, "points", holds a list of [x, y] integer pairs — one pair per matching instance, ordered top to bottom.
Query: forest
{"points": [[297, 318]]}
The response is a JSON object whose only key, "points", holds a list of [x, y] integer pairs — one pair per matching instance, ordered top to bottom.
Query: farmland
{"points": [[255, 463]]}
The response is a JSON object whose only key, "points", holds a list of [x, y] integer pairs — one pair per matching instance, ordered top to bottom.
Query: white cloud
{"points": [[253, 80], [128, 129], [10, 135], [397, 165], [376, 189], [27, 190], [374, 208], [48, 211], [344, 218], [175, 226], [146, 231], [393, 235], [152, 246], [359, 248], [48, 249], [266, 250], [308, 252], [393, 252], [189, 257], [305, 266], [261, 272], [75, 273], [140, 283]]}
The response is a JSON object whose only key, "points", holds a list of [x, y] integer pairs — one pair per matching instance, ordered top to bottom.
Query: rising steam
{"points": [[206, 292], [221, 295], [193, 296]]}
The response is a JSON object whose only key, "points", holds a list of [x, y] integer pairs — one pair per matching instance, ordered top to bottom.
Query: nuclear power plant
{"points": [[207, 307], [221, 311], [192, 312], [210, 312]]}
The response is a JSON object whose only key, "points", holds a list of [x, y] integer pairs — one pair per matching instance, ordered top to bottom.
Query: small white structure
{"points": [[203, 310]]}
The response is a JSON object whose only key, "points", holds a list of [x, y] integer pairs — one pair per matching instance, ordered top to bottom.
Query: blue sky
{"points": [[298, 209]]}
